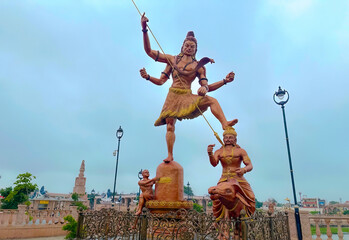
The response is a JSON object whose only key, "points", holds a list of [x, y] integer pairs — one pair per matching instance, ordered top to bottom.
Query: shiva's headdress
{"points": [[190, 37]]}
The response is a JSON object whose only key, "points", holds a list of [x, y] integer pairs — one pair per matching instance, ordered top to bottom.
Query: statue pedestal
{"points": [[170, 186], [169, 190]]}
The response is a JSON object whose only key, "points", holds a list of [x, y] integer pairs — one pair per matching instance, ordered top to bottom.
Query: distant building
{"points": [[80, 181], [42, 200], [51, 201], [124, 202], [313, 203], [322, 203], [338, 208]]}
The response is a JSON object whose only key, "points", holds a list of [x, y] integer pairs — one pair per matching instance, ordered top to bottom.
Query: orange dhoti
{"points": [[180, 104]]}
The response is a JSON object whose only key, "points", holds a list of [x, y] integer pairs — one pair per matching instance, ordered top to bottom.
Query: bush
{"points": [[75, 197], [77, 203], [259, 204], [80, 206], [198, 207], [314, 212], [71, 226], [323, 230]]}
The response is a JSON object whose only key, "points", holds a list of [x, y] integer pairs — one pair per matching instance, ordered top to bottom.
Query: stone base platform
{"points": [[156, 206]]}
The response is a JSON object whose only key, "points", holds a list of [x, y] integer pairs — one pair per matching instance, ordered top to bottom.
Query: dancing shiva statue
{"points": [[180, 102]]}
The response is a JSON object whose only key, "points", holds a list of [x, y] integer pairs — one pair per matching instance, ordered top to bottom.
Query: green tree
{"points": [[5, 191], [188, 191], [19, 194], [75, 197], [76, 202], [333, 202], [259, 204], [80, 205], [198, 207], [346, 212], [71, 226]]}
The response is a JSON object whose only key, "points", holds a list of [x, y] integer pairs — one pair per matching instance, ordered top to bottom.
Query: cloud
{"points": [[290, 8]]}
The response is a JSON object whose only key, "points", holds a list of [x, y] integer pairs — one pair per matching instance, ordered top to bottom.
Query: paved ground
{"points": [[43, 238]]}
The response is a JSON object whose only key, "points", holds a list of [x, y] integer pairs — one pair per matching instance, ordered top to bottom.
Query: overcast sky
{"points": [[69, 77]]}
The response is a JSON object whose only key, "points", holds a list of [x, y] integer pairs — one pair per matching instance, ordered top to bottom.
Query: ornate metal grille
{"points": [[182, 224], [262, 226]]}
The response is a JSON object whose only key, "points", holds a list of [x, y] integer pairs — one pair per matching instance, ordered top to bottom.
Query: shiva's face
{"points": [[189, 48], [229, 139]]}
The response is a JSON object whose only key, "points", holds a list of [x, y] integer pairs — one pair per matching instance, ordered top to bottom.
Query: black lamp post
{"points": [[281, 94], [119, 134], [140, 176], [188, 189], [92, 198]]}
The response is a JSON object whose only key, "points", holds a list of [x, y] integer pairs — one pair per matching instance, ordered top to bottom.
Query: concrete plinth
{"points": [[170, 187], [169, 190]]}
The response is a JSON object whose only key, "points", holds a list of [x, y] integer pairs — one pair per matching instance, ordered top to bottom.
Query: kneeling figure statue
{"points": [[146, 185]]}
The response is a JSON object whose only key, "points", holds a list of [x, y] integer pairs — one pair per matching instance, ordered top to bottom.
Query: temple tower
{"points": [[80, 181]]}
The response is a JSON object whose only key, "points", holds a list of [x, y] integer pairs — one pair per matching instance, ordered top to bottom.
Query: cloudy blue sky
{"points": [[69, 77]]}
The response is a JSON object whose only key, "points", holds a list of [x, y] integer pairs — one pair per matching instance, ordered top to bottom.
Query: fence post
{"points": [[21, 215], [80, 225], [143, 225], [243, 226], [288, 226], [271, 227], [243, 229]]}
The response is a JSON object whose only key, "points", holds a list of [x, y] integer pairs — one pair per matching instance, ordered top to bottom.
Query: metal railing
{"points": [[182, 224]]}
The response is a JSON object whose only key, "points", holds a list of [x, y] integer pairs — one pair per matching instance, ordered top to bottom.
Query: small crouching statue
{"points": [[146, 185], [232, 193]]}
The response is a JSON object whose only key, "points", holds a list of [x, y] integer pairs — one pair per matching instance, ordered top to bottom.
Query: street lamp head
{"points": [[280, 94], [119, 133], [140, 176]]}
